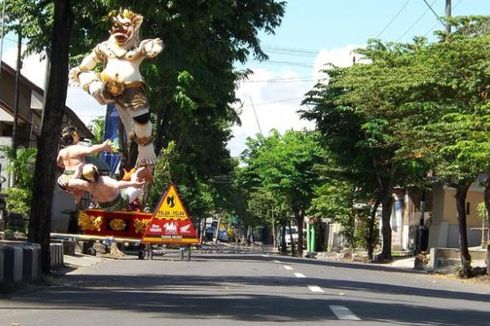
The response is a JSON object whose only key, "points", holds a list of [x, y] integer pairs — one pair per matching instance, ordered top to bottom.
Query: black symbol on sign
{"points": [[170, 201]]}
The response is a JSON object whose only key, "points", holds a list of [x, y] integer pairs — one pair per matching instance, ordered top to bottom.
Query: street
{"points": [[223, 288]]}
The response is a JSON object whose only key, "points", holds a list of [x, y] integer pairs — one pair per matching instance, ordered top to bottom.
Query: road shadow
{"points": [[309, 261], [157, 296]]}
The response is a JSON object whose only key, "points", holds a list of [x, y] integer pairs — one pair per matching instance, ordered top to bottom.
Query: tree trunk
{"points": [[54, 109], [162, 126], [461, 191], [486, 200], [387, 205], [300, 219], [274, 235], [216, 236], [290, 236], [371, 236], [283, 239]]}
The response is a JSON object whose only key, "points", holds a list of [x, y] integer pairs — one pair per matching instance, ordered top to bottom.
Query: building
{"points": [[29, 129], [443, 230]]}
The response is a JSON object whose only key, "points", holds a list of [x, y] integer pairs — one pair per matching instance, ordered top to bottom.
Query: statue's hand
{"points": [[153, 47], [73, 76], [96, 89]]}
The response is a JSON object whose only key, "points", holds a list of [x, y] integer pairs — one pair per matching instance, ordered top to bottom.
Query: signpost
{"points": [[171, 223]]}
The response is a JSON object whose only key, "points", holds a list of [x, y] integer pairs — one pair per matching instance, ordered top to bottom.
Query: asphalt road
{"points": [[246, 288]]}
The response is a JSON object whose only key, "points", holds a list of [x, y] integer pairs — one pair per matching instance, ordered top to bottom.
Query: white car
{"points": [[289, 237]]}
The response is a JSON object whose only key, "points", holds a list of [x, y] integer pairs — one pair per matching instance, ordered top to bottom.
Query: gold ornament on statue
{"points": [[89, 222], [117, 224], [140, 225]]}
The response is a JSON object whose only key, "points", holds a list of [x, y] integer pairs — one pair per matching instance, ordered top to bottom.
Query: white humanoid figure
{"points": [[120, 82]]}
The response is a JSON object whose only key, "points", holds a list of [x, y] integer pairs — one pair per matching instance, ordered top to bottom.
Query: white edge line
{"points": [[314, 288], [343, 313]]}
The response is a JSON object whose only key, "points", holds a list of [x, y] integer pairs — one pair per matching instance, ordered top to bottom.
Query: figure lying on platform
{"points": [[120, 82], [70, 158], [110, 194]]}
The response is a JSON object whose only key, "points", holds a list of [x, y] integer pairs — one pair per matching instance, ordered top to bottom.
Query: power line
{"points": [[435, 14], [393, 19], [417, 21], [432, 28], [291, 49], [291, 54], [291, 63], [283, 80], [279, 101]]}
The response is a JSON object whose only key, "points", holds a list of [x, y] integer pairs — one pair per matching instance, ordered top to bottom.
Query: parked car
{"points": [[210, 233], [291, 236]]}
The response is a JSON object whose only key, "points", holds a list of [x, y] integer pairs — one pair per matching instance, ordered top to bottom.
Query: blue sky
{"points": [[312, 33]]}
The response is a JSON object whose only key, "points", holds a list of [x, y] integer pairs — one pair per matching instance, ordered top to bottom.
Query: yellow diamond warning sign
{"points": [[171, 207]]}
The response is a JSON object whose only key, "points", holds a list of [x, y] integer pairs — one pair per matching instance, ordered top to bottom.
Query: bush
{"points": [[18, 201]]}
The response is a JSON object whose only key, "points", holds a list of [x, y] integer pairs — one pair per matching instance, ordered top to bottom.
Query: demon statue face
{"points": [[125, 28]]}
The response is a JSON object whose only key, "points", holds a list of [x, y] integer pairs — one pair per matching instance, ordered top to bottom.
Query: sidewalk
{"points": [[80, 260]]}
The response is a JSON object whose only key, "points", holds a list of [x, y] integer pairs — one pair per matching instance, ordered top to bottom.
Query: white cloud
{"points": [[277, 97]]}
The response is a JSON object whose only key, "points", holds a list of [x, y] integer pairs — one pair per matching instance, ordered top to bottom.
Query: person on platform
{"points": [[70, 158], [110, 194]]}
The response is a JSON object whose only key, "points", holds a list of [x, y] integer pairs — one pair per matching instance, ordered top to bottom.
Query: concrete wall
{"points": [[444, 229], [441, 258], [19, 262]]}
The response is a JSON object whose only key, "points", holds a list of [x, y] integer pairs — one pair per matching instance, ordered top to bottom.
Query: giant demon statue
{"points": [[120, 81]]}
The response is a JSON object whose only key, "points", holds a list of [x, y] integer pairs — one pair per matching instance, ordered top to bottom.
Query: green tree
{"points": [[358, 114], [449, 123], [97, 128], [20, 165], [284, 166]]}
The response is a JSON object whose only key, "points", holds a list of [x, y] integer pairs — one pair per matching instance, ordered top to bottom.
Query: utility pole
{"points": [[448, 15], [1, 37], [17, 91]]}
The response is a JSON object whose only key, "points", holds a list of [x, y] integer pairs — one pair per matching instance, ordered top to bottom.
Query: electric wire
{"points": [[435, 13], [393, 19], [416, 22], [432, 28], [291, 49], [292, 63], [284, 80], [278, 101]]}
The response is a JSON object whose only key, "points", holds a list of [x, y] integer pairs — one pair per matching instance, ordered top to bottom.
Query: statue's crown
{"points": [[125, 13]]}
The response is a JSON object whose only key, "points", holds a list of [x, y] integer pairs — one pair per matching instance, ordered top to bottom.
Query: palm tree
{"points": [[97, 128], [20, 165]]}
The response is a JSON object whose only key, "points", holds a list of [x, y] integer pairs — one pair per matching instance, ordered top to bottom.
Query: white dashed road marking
{"points": [[276, 261], [289, 268], [299, 275], [314, 288], [343, 313]]}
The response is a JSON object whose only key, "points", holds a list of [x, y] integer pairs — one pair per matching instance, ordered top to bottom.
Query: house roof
{"points": [[68, 112]]}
